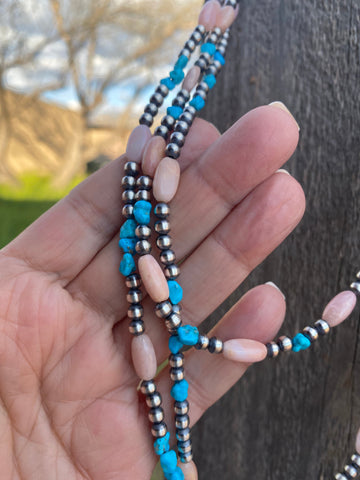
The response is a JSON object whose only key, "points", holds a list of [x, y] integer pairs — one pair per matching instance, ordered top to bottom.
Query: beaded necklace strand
{"points": [[152, 166]]}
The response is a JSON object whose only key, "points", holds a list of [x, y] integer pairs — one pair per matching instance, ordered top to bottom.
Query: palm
{"points": [[70, 408]]}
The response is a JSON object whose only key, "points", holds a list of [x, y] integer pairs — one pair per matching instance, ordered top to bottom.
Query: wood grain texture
{"points": [[296, 417]]}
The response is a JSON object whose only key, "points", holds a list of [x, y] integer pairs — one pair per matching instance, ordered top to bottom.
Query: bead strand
{"points": [[351, 470]]}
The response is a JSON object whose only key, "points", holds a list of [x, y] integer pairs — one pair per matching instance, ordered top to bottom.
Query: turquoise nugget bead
{"points": [[209, 48], [219, 58], [181, 62], [177, 75], [210, 80], [168, 83], [197, 102], [175, 111], [142, 210], [128, 229], [127, 244], [127, 264], [175, 292], [188, 335], [300, 342], [174, 344], [179, 391], [161, 445], [168, 461], [176, 475]]}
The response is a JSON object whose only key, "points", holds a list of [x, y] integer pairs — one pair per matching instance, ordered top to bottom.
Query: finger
{"points": [[266, 135], [65, 239]]}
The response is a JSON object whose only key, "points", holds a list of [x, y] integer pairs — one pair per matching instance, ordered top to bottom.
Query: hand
{"points": [[69, 402]]}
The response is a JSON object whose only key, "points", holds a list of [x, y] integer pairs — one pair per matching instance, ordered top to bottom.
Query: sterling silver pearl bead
{"points": [[232, 3], [201, 29], [217, 31], [196, 37], [213, 37], [190, 44], [222, 50], [186, 52], [201, 63], [217, 65], [212, 70], [203, 86], [162, 89], [185, 94], [157, 99], [179, 101], [151, 108], [190, 109], [187, 118], [146, 119], [168, 121], [182, 127], [161, 131], [177, 138], [172, 150], [131, 168], [128, 182], [144, 182], [142, 195], [128, 196], [128, 210], [162, 210], [162, 227], [143, 232], [163, 242], [143, 247], [167, 257], [172, 271], [133, 281], [355, 287], [134, 296], [163, 309], [177, 309], [135, 312], [172, 322], [137, 327], [322, 327], [312, 333], [202, 343], [285, 343], [215, 345], [272, 349], [176, 360], [177, 374], [147, 387], [153, 400], [182, 408], [156, 415], [182, 421], [159, 430], [184, 447], [186, 457], [356, 459], [351, 471], [340, 476]]}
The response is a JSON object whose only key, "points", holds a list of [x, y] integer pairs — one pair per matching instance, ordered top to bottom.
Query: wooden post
{"points": [[296, 417]]}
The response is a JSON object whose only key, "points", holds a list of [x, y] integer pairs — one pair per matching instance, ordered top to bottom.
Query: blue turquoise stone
{"points": [[209, 48], [219, 58], [181, 62], [177, 75], [210, 80], [168, 82], [197, 102], [175, 111], [142, 210], [128, 229], [128, 244], [127, 264], [175, 292], [188, 335], [300, 342], [174, 344], [179, 391], [162, 445], [168, 461], [176, 475]]}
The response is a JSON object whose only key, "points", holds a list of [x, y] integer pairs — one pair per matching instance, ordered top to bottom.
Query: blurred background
{"points": [[74, 79]]}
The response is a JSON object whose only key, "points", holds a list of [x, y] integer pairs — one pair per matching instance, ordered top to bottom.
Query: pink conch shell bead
{"points": [[209, 14], [225, 17], [191, 78], [136, 143], [153, 153], [166, 180], [153, 278], [339, 308], [244, 350], [143, 357], [357, 444], [189, 470]]}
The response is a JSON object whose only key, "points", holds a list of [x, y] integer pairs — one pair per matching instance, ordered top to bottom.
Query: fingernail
{"points": [[283, 107], [282, 170], [272, 284]]}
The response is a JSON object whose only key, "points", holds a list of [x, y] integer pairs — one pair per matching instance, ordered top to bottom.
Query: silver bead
{"points": [[232, 3], [201, 29], [217, 31], [226, 34], [196, 37], [212, 38], [223, 42], [190, 44], [222, 50], [186, 52], [206, 56], [201, 63], [217, 65], [212, 70], [203, 86], [162, 89], [185, 94], [201, 94], [157, 99], [179, 101], [151, 108], [190, 109], [185, 117], [146, 119], [168, 121], [182, 128], [161, 131], [177, 138], [172, 150], [131, 168], [128, 182], [144, 182], [142, 195], [128, 196], [128, 210], [162, 210], [162, 227], [142, 231], [163, 242], [143, 247], [167, 257], [172, 271], [358, 275], [133, 281], [355, 287], [134, 296], [177, 308], [163, 309], [135, 312], [173, 322], [137, 327], [322, 327], [312, 333], [202, 343], [285, 343], [215, 345], [272, 349], [176, 360], [177, 374], [147, 387], [153, 400], [182, 408], [156, 415], [182, 421], [159, 430], [184, 447], [186, 457], [356, 459], [351, 471], [340, 476]]}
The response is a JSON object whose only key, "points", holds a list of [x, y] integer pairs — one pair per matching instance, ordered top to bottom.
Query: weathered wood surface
{"points": [[296, 417]]}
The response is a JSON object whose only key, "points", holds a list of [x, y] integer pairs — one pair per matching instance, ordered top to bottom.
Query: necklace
{"points": [[152, 165]]}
